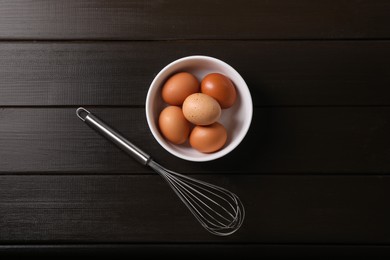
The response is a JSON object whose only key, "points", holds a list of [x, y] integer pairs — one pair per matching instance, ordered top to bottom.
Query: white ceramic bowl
{"points": [[236, 119]]}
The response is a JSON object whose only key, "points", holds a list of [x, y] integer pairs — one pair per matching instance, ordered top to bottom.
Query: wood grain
{"points": [[202, 19], [114, 73], [291, 140], [312, 171], [125, 209], [197, 250]]}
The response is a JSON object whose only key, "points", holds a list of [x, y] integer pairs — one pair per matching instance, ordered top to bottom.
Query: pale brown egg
{"points": [[178, 87], [219, 87], [201, 109], [173, 125], [208, 139]]}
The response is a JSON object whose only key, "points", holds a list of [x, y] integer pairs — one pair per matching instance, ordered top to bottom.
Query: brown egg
{"points": [[178, 87], [219, 87], [201, 109], [173, 125], [208, 139]]}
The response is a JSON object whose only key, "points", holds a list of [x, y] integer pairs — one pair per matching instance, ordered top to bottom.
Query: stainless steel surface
{"points": [[112, 135], [218, 210]]}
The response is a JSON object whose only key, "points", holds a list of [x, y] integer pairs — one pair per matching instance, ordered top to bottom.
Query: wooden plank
{"points": [[202, 19], [115, 73], [281, 140], [124, 209], [197, 250]]}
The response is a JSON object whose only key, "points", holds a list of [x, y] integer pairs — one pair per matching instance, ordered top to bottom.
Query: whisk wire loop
{"points": [[183, 185], [190, 197], [217, 209]]}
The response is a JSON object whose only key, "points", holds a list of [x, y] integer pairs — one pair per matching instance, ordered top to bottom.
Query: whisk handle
{"points": [[112, 135]]}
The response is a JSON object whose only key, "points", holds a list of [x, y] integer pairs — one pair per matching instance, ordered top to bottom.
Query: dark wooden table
{"points": [[312, 171]]}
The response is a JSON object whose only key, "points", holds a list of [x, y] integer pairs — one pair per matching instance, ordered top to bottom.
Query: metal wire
{"points": [[218, 210]]}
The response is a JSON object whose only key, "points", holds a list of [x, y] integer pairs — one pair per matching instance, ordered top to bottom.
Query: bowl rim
{"points": [[223, 151]]}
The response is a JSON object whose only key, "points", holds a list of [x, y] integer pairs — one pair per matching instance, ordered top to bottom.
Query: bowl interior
{"points": [[236, 119]]}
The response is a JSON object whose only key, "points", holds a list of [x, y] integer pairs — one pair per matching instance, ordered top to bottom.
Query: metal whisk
{"points": [[218, 210]]}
